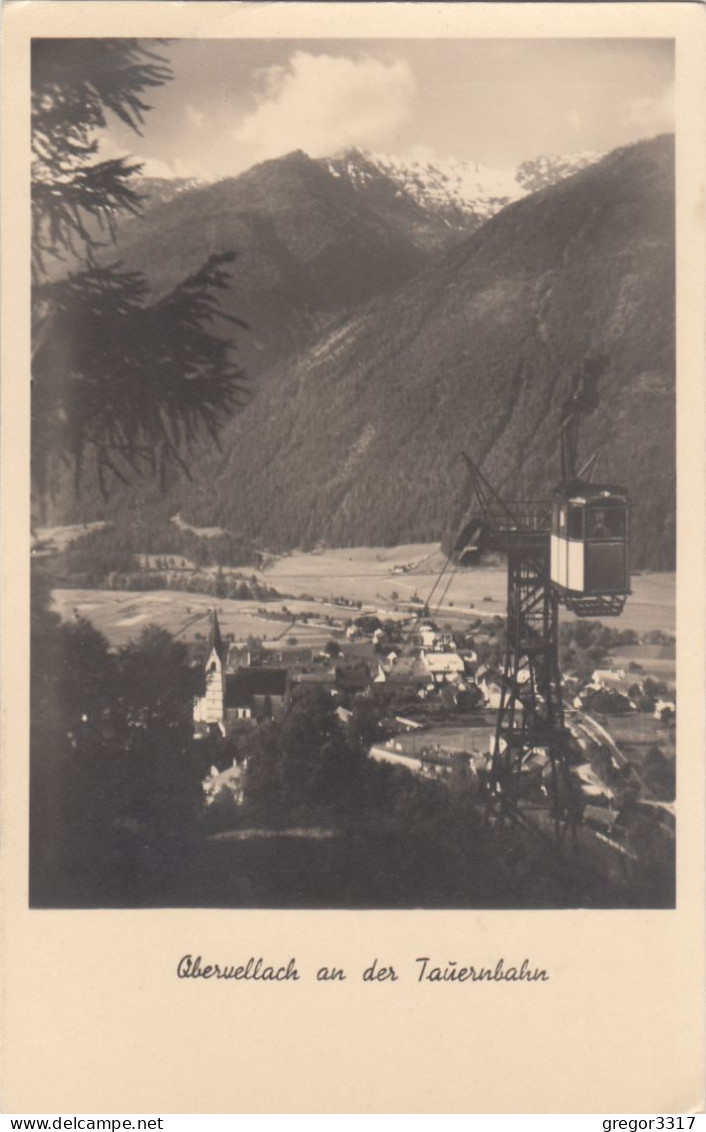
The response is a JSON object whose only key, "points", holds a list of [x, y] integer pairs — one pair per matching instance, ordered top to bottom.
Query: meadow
{"points": [[369, 575], [389, 581]]}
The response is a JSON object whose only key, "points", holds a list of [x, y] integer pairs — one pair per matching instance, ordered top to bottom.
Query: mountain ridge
{"points": [[465, 193], [291, 225], [490, 333], [354, 437]]}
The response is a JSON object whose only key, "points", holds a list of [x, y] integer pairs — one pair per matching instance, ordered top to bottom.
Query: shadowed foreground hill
{"points": [[358, 440]]}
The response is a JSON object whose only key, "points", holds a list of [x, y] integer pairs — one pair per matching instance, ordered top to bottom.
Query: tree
{"points": [[74, 82], [128, 380], [70, 676], [155, 686], [363, 727], [304, 767], [115, 773]]}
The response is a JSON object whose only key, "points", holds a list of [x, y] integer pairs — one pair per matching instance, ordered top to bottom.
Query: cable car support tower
{"points": [[530, 717]]}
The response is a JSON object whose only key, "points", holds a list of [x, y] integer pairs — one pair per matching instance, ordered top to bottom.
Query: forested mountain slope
{"points": [[308, 246], [354, 436], [358, 440]]}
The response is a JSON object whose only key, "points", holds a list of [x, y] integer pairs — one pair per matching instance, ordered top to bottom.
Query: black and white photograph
{"points": [[353, 474]]}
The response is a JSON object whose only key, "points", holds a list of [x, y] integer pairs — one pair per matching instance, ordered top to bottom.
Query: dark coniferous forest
{"points": [[374, 360]]}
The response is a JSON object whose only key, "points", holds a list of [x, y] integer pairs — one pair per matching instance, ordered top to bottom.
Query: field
{"points": [[367, 574], [385, 580], [122, 615], [656, 662], [635, 734], [473, 740]]}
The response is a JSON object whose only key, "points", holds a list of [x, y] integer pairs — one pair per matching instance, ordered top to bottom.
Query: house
{"points": [[427, 633], [293, 654], [470, 660], [443, 666], [410, 671], [352, 675], [325, 678], [610, 678], [571, 684], [492, 692], [255, 694], [469, 697], [604, 700], [665, 710], [408, 724], [392, 752], [224, 783]]}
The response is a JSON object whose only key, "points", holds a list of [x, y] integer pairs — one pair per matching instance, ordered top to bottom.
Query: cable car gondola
{"points": [[590, 568]]}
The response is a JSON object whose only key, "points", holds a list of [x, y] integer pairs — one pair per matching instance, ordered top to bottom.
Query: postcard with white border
{"points": [[353, 557]]}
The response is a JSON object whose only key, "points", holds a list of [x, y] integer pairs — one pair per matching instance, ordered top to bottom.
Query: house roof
{"points": [[292, 655], [238, 656], [443, 662], [409, 669], [614, 675], [317, 677], [353, 678], [243, 686]]}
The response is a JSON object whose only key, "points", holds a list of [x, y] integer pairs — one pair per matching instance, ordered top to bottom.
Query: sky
{"points": [[233, 103]]}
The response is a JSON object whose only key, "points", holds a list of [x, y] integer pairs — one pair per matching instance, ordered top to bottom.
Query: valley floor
{"points": [[395, 575], [387, 581]]}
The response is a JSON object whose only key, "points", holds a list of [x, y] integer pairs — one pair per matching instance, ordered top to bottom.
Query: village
{"points": [[357, 624], [431, 694]]}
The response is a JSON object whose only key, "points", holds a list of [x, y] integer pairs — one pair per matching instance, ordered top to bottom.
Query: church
{"points": [[235, 692]]}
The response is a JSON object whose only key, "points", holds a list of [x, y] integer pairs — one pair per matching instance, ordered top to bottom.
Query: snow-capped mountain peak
{"points": [[540, 172], [462, 186], [462, 191]]}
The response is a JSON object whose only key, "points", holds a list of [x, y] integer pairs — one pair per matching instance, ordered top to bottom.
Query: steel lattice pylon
{"points": [[531, 712]]}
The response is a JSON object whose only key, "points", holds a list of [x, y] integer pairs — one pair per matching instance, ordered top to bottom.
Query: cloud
{"points": [[326, 103], [653, 115], [194, 117], [109, 148], [422, 153], [154, 167]]}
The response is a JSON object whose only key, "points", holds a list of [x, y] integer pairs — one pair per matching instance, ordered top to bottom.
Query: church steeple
{"points": [[215, 641], [210, 708]]}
